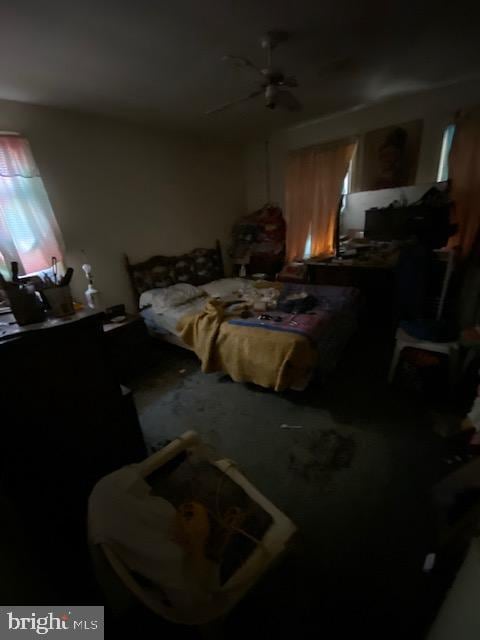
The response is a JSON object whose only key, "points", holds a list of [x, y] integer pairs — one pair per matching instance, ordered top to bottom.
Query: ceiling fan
{"points": [[273, 82]]}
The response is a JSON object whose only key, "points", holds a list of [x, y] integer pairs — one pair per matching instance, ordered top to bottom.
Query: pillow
{"points": [[207, 265], [183, 270], [152, 278], [225, 287], [146, 299], [163, 299]]}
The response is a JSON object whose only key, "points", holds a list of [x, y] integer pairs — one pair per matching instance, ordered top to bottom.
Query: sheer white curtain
{"points": [[29, 233]]}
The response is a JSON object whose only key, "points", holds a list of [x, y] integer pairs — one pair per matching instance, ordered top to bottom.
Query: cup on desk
{"points": [[59, 300], [25, 305]]}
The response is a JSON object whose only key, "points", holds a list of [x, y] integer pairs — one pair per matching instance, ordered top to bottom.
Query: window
{"points": [[445, 152], [347, 183], [345, 190], [29, 233], [308, 246]]}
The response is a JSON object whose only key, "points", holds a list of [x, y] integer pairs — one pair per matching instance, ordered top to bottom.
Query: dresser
{"points": [[376, 284], [65, 423]]}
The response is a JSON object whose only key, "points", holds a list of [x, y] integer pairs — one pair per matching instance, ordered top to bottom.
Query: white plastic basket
{"points": [[271, 545]]}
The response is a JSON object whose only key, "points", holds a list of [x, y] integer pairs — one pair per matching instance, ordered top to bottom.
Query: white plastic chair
{"points": [[403, 340], [450, 349]]}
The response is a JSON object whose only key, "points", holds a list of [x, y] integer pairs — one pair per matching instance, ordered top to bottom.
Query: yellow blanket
{"points": [[275, 359]]}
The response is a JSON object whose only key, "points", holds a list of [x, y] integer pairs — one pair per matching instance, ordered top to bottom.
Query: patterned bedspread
{"points": [[329, 297], [332, 303], [305, 324], [278, 354]]}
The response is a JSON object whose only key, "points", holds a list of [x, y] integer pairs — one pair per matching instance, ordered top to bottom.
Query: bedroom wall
{"points": [[435, 107], [118, 187]]}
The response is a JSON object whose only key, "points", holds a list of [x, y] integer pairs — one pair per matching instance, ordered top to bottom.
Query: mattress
{"points": [[341, 302], [163, 324]]}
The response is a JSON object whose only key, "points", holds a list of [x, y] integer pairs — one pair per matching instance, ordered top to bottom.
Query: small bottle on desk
{"points": [[92, 295]]}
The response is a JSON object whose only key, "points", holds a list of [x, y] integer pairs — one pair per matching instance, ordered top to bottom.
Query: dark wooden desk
{"points": [[376, 284], [10, 329], [128, 341], [129, 344], [62, 399], [65, 423]]}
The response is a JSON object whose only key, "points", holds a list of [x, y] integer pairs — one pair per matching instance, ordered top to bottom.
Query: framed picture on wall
{"points": [[389, 157]]}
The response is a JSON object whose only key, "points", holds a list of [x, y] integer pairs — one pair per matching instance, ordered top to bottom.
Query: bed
{"points": [[196, 267], [186, 300]]}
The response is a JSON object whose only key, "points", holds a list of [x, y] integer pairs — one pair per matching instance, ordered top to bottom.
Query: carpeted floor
{"points": [[355, 478]]}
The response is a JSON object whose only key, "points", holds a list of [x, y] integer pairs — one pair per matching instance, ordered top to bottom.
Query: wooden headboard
{"points": [[196, 267]]}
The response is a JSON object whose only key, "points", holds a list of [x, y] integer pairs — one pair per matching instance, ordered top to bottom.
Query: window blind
{"points": [[29, 233]]}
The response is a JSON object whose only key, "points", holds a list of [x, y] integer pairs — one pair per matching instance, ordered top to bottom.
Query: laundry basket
{"points": [[245, 559]]}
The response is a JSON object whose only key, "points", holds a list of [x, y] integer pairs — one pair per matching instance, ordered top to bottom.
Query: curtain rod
{"points": [[9, 133]]}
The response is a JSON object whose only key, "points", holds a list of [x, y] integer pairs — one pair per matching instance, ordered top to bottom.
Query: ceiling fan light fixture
{"points": [[271, 93]]}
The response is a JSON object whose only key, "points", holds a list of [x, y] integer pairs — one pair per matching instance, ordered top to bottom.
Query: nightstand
{"points": [[129, 345]]}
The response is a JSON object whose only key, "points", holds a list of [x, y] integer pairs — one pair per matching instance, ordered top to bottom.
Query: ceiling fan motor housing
{"points": [[272, 38], [273, 76]]}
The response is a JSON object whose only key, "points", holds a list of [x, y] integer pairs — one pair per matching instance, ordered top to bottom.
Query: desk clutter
{"points": [[358, 251], [32, 297], [38, 297], [43, 303]]}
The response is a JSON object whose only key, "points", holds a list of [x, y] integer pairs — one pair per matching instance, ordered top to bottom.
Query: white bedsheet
{"points": [[162, 318], [166, 322]]}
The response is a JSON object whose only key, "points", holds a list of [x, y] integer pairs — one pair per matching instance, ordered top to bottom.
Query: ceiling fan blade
{"points": [[240, 61], [289, 81], [287, 100], [227, 105]]}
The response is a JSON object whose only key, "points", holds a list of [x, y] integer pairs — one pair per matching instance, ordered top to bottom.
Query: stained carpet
{"points": [[355, 476]]}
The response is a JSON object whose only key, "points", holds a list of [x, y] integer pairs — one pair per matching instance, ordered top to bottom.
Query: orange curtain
{"points": [[464, 172], [313, 186]]}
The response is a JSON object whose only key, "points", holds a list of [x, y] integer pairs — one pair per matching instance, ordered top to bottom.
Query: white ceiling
{"points": [[160, 61]]}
